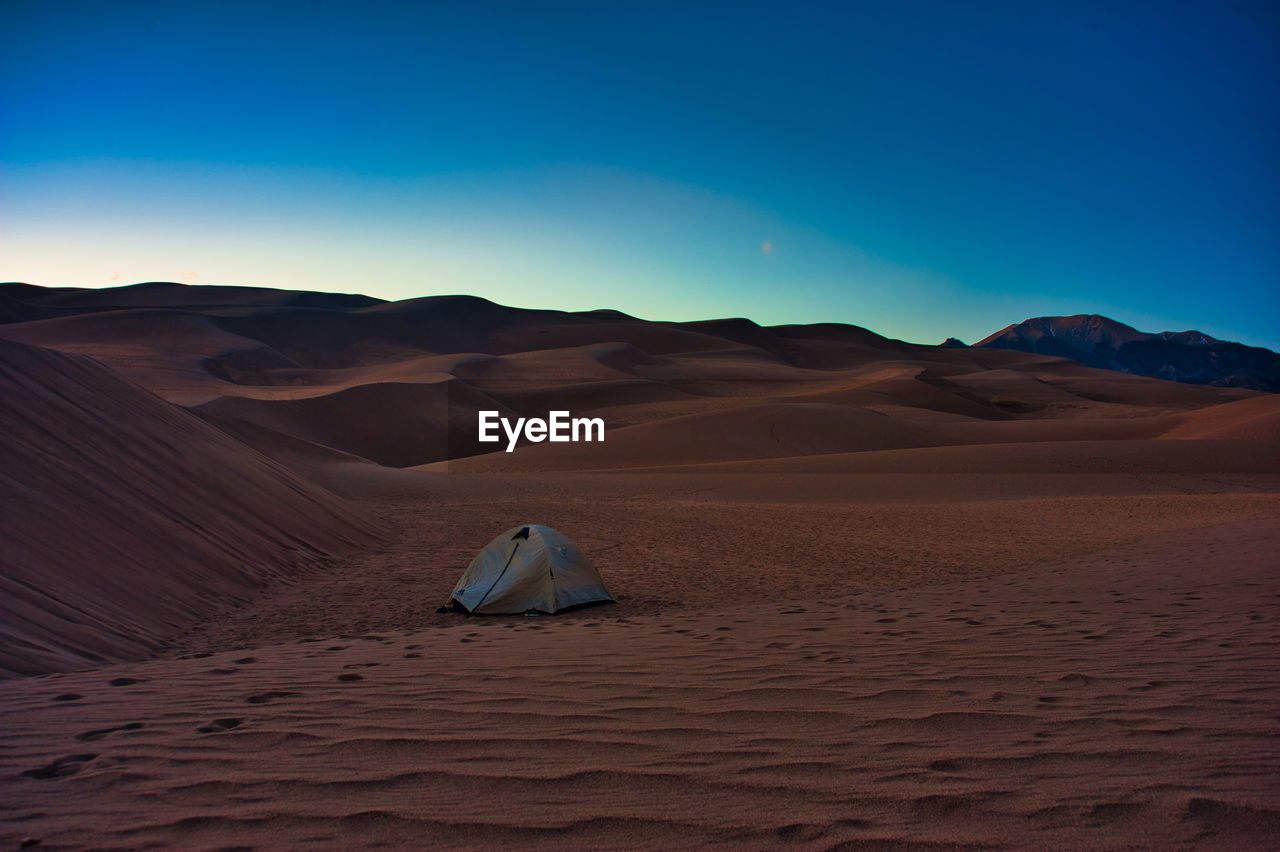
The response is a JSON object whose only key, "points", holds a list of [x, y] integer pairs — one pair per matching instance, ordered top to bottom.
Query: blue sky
{"points": [[923, 169]]}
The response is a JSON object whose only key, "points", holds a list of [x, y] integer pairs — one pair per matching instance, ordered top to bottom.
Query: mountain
{"points": [[1181, 356]]}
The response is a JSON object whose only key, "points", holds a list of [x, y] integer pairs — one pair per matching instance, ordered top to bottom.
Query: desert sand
{"points": [[870, 594]]}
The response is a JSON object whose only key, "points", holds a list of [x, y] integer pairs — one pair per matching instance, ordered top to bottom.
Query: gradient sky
{"points": [[922, 169]]}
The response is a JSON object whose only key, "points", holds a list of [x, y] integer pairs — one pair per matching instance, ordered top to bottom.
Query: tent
{"points": [[528, 569]]}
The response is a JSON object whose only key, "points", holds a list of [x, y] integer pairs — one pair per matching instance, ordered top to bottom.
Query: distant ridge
{"points": [[40, 302], [266, 330], [1181, 356]]}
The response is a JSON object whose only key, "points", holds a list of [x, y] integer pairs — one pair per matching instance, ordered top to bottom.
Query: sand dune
{"points": [[165, 351], [369, 378], [1257, 418], [393, 423], [744, 432], [298, 454], [1096, 457], [126, 518], [871, 594]]}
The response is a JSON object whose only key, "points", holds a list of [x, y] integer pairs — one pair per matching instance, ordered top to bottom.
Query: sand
{"points": [[127, 518], [870, 594], [1126, 698]]}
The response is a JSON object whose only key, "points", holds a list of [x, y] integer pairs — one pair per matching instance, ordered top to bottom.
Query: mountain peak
{"points": [[1085, 332], [1184, 356]]}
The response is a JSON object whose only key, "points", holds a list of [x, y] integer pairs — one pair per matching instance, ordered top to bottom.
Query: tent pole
{"points": [[499, 577]]}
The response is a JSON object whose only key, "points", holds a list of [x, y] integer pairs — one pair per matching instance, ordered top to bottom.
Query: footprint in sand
{"points": [[267, 697], [217, 726], [89, 736], [60, 768], [798, 833]]}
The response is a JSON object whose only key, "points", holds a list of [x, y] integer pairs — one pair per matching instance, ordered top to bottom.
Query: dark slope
{"points": [[125, 518]]}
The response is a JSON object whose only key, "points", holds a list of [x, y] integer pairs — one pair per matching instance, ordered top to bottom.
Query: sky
{"points": [[923, 169]]}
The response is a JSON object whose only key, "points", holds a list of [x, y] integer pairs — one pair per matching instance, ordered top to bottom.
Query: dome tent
{"points": [[528, 569]]}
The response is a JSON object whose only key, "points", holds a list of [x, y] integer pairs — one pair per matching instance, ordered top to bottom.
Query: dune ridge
{"points": [[400, 383]]}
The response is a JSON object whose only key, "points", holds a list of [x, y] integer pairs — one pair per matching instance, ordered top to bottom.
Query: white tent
{"points": [[528, 569]]}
